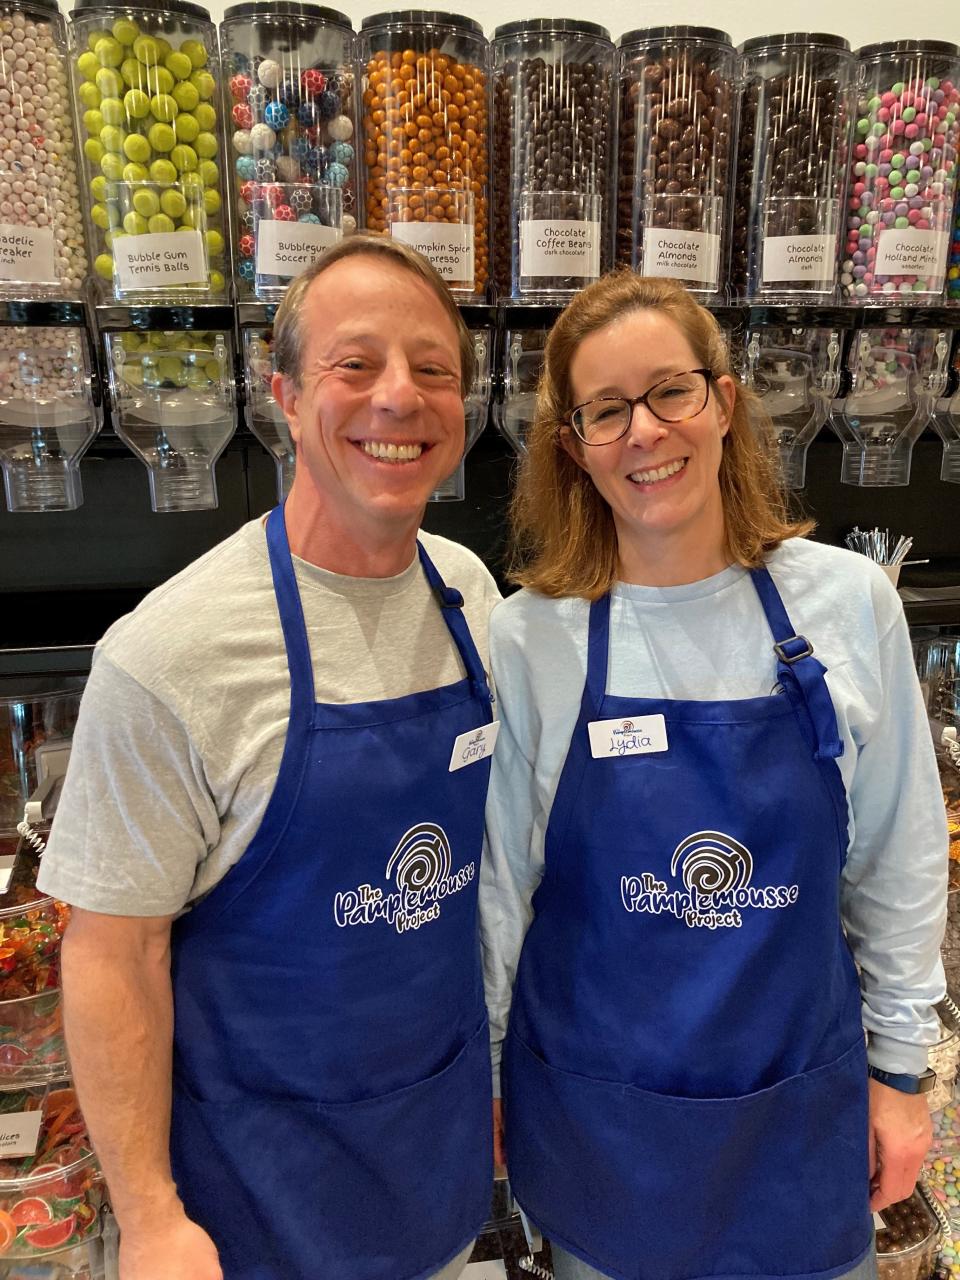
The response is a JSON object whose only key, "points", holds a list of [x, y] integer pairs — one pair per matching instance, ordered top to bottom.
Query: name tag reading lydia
{"points": [[627, 737], [474, 745]]}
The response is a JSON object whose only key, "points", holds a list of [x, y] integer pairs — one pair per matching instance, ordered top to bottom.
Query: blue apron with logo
{"points": [[685, 1072], [331, 1104]]}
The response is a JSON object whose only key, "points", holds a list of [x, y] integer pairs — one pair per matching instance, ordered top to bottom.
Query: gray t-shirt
{"points": [[184, 716]]}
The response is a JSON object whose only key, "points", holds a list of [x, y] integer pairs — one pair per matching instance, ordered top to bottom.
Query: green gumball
{"points": [[125, 31], [95, 36], [164, 47], [145, 50], [108, 52], [195, 52], [88, 64], [179, 65], [132, 72], [159, 80], [109, 82], [204, 84], [89, 95], [185, 95], [136, 104], [164, 107], [113, 111], [206, 117], [93, 122], [186, 127], [112, 138], [162, 138], [206, 146], [136, 148], [93, 149], [185, 158], [111, 166], [163, 171], [135, 172], [209, 173], [192, 184], [98, 188], [211, 201], [146, 202], [173, 204], [100, 217], [135, 224], [160, 224], [215, 244], [103, 266], [217, 283], [212, 367], [169, 368]]}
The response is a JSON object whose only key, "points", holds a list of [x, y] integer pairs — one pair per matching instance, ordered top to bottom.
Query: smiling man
{"points": [[271, 833]]}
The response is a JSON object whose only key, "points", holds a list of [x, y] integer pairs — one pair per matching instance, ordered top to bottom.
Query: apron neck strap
{"points": [[451, 607], [291, 611], [598, 650], [798, 671]]}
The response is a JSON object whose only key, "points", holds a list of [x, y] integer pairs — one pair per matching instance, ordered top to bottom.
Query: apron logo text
{"points": [[420, 865], [716, 871]]}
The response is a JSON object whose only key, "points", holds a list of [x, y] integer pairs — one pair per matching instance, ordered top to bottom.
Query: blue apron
{"points": [[685, 1072], [331, 1104]]}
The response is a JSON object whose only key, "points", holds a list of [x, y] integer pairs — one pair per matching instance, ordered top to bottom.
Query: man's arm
{"points": [[118, 1004]]}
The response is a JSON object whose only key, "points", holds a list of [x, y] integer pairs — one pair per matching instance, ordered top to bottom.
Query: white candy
{"points": [[269, 73], [340, 128], [262, 137], [242, 142], [288, 168], [348, 224]]}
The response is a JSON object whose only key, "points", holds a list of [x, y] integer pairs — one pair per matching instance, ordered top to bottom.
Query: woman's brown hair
{"points": [[565, 543]]}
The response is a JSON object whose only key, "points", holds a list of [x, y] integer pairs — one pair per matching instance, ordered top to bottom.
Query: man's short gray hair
{"points": [[288, 326]]}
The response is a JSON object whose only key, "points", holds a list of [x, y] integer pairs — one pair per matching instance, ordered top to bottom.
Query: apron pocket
{"points": [[652, 1187], [383, 1189]]}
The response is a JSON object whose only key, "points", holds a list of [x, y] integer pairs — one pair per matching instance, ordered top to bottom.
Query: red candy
{"points": [[313, 82], [240, 86], [242, 116], [250, 191], [273, 194], [283, 213], [246, 246]]}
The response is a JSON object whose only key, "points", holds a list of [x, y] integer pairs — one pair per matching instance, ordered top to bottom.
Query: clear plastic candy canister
{"points": [[290, 75], [148, 101], [677, 101], [796, 113], [553, 130], [426, 139], [903, 173], [42, 250], [896, 377], [173, 401], [515, 408], [475, 410], [49, 415], [263, 415], [946, 422]]}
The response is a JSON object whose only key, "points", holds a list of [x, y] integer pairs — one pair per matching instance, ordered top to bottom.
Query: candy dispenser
{"points": [[147, 85], [677, 100], [292, 112], [425, 126], [553, 128], [794, 134], [902, 173], [42, 252], [953, 268], [796, 374], [896, 375], [173, 398], [515, 408], [475, 409], [50, 411], [264, 416], [946, 422], [37, 718], [908, 1240]]}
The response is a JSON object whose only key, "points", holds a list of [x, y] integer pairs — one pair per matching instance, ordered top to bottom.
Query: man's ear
{"points": [[287, 395]]}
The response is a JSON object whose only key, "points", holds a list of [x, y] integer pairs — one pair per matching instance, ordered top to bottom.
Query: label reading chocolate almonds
{"points": [[448, 246], [552, 247], [288, 248], [913, 251], [27, 253], [681, 255], [798, 258], [159, 261], [20, 1133]]}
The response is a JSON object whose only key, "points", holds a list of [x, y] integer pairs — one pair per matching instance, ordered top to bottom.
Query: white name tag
{"points": [[640, 737], [474, 745], [19, 1133]]}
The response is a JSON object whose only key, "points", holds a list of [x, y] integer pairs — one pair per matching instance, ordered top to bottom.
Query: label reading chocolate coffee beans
{"points": [[448, 246], [555, 247], [287, 248], [914, 251], [27, 253], [681, 255], [798, 258], [159, 261]]}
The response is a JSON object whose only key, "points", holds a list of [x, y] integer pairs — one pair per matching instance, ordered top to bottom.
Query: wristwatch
{"points": [[904, 1083]]}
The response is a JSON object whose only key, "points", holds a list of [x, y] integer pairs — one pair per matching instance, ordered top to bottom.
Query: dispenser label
{"points": [[447, 246], [560, 247], [288, 248], [911, 252], [27, 253], [681, 255], [798, 258], [159, 261], [20, 1133]]}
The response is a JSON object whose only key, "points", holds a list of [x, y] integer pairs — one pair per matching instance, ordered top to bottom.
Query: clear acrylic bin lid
{"points": [[185, 8], [275, 12], [421, 18], [20, 691]]}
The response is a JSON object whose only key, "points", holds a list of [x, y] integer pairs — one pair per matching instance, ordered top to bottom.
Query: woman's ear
{"points": [[726, 400], [570, 444]]}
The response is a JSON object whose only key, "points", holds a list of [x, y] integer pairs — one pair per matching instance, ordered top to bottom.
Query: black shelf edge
{"points": [[44, 312], [115, 317], [932, 613], [66, 660]]}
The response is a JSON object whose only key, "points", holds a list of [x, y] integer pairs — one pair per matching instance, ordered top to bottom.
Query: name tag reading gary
{"points": [[640, 737], [474, 745]]}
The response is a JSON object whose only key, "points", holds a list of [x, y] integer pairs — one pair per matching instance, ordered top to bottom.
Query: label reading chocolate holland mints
{"points": [[448, 246], [559, 247], [287, 248], [913, 251], [27, 253], [681, 255], [798, 258], [159, 261]]}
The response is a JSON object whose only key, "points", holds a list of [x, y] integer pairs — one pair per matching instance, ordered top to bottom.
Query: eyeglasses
{"points": [[606, 419]]}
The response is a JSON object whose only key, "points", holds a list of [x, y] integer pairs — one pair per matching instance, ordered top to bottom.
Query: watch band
{"points": [[904, 1083]]}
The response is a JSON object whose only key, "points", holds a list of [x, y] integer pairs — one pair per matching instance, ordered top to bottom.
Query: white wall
{"points": [[882, 19]]}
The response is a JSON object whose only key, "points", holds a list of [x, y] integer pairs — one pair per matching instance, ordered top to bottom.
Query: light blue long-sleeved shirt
{"points": [[710, 640]]}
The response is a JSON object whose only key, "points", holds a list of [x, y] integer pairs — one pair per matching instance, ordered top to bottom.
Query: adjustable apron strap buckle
{"points": [[448, 597], [793, 649]]}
